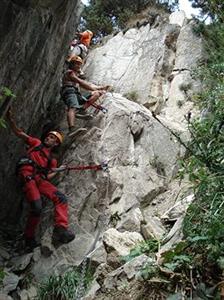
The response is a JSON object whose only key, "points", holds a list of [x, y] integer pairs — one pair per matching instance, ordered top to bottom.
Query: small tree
{"points": [[213, 8], [102, 16]]}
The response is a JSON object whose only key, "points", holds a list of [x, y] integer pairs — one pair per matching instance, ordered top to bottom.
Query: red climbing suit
{"points": [[36, 184]]}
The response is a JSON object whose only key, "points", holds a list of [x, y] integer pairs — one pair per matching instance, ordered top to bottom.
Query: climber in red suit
{"points": [[34, 171]]}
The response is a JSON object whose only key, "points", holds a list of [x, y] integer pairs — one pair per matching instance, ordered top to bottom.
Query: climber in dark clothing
{"points": [[71, 95], [35, 171]]}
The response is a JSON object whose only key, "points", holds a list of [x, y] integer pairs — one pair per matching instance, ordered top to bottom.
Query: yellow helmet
{"points": [[75, 58], [58, 135]]}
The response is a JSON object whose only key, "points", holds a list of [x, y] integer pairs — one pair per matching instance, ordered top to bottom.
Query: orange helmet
{"points": [[90, 32], [85, 37], [75, 58], [58, 135]]}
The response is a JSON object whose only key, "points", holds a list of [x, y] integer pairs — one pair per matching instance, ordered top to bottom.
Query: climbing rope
{"points": [[95, 105], [103, 166], [101, 224]]}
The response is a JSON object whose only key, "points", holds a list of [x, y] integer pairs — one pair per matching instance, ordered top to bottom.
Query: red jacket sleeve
{"points": [[33, 142], [54, 163]]}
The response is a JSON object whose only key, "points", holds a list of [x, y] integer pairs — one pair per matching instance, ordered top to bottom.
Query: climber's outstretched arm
{"points": [[87, 85], [18, 131]]}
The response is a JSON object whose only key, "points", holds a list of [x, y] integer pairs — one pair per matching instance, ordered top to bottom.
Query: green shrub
{"points": [[103, 16], [4, 92], [133, 96], [203, 225], [148, 247], [197, 262], [2, 275], [63, 287]]}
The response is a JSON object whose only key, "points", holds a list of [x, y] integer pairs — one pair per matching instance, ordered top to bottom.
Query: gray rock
{"points": [[178, 17], [189, 49], [154, 54], [178, 209], [131, 221], [153, 229], [173, 237], [121, 242], [4, 253], [98, 255], [20, 263], [119, 277], [10, 282], [29, 294], [91, 294], [5, 296]]}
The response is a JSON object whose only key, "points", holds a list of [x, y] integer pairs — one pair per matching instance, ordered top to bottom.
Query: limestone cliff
{"points": [[34, 37], [129, 204]]}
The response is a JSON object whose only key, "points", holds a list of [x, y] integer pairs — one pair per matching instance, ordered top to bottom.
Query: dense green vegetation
{"points": [[213, 8], [103, 16], [203, 224]]}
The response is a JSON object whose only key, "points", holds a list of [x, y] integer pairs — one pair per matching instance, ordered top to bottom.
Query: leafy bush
{"points": [[212, 8], [103, 16], [4, 92], [133, 96], [203, 224], [148, 247], [197, 263], [62, 287]]}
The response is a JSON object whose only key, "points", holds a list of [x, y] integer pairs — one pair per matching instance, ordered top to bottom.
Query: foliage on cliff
{"points": [[212, 8], [103, 16], [203, 225], [198, 261], [194, 268]]}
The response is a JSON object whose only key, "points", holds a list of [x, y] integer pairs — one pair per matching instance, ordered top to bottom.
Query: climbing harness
{"points": [[87, 104], [26, 160]]}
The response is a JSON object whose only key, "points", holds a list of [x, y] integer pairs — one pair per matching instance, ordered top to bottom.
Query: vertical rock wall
{"points": [[34, 37], [152, 65], [119, 209]]}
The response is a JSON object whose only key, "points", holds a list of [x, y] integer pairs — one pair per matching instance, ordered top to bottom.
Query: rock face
{"points": [[34, 37], [152, 65], [140, 170], [111, 212]]}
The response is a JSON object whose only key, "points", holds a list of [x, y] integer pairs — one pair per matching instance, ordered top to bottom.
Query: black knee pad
{"points": [[62, 198], [36, 207]]}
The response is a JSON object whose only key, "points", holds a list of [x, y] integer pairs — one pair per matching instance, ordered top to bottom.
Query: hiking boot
{"points": [[82, 114], [76, 132], [62, 235]]}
